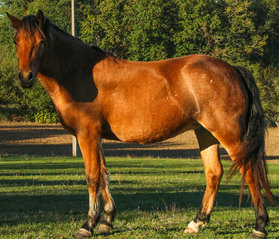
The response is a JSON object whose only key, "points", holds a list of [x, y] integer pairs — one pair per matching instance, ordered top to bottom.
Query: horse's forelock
{"points": [[31, 26]]}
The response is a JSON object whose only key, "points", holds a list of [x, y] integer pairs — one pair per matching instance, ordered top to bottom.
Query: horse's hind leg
{"points": [[237, 149], [213, 171], [109, 206], [262, 218]]}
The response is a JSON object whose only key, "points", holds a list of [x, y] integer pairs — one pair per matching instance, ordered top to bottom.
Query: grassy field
{"points": [[46, 197]]}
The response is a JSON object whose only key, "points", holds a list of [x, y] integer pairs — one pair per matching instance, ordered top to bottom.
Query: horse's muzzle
{"points": [[26, 82]]}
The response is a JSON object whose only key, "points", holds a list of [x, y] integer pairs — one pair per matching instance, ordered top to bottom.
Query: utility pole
{"points": [[74, 28], [74, 33]]}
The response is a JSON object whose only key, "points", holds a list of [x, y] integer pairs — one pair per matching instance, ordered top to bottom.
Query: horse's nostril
{"points": [[30, 76]]}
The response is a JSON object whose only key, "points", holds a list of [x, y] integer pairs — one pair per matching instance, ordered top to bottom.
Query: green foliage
{"points": [[103, 25], [151, 25], [200, 27], [242, 32], [242, 39], [270, 92], [45, 116]]}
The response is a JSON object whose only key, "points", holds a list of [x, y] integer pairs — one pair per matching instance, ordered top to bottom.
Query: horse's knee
{"points": [[92, 181]]}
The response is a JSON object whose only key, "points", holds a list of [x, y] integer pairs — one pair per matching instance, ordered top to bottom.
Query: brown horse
{"points": [[97, 96]]}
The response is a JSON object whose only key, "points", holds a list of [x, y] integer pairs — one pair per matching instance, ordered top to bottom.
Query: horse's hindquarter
{"points": [[220, 94], [144, 101]]}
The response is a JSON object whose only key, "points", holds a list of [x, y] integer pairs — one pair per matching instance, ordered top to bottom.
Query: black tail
{"points": [[254, 138]]}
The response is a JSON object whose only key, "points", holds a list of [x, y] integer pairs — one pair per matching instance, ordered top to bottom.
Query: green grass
{"points": [[46, 197]]}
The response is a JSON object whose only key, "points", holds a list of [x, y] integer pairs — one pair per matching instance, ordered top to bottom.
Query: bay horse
{"points": [[97, 95]]}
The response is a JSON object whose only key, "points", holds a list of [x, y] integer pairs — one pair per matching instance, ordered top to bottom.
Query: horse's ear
{"points": [[40, 18], [16, 23]]}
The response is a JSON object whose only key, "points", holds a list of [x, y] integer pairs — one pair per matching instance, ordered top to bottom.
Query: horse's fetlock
{"points": [[202, 217], [108, 218], [92, 221], [87, 226]]}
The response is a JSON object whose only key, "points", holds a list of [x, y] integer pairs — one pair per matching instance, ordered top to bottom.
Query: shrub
{"points": [[46, 116]]}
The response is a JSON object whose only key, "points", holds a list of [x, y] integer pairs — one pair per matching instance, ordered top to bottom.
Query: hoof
{"points": [[193, 227], [104, 229], [190, 230], [82, 233], [259, 234]]}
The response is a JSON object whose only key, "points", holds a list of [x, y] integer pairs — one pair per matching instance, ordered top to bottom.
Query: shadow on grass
{"points": [[23, 132], [36, 149], [115, 149], [44, 208]]}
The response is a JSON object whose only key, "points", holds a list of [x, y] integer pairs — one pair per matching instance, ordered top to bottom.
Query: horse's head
{"points": [[29, 39]]}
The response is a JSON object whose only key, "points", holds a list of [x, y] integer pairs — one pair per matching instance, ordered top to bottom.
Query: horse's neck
{"points": [[66, 54], [63, 55], [53, 66], [67, 66]]}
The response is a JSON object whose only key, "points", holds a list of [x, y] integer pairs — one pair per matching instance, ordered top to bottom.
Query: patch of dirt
{"points": [[51, 140]]}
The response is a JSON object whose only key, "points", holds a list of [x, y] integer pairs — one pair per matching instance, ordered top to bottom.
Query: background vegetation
{"points": [[242, 32], [46, 197]]}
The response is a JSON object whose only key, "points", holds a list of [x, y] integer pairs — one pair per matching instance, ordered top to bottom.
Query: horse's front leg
{"points": [[90, 148]]}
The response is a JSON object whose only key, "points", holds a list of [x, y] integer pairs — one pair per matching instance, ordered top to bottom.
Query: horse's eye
{"points": [[42, 42]]}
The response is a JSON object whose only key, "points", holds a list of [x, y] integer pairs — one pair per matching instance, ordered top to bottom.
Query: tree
{"points": [[103, 25], [151, 25], [200, 27]]}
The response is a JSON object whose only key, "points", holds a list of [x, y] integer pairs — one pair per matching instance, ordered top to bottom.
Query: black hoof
{"points": [[82, 233], [259, 234]]}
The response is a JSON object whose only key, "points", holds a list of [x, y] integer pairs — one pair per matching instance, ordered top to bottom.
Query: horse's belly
{"points": [[144, 126]]}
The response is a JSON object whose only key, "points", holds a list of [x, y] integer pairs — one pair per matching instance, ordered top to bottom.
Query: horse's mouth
{"points": [[26, 82]]}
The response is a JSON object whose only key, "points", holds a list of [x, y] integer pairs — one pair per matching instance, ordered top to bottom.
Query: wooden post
{"points": [[74, 146]]}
